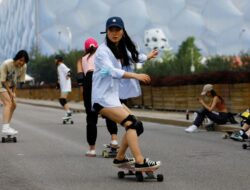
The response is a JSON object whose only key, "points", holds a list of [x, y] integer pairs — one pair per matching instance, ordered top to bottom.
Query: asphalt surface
{"points": [[50, 156]]}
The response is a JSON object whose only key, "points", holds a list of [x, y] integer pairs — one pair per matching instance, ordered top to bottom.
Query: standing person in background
{"points": [[85, 69], [12, 71], [64, 82], [105, 91], [216, 110]]}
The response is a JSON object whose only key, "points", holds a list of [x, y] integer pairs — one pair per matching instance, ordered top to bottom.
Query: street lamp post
{"points": [[70, 37], [240, 38], [59, 40], [192, 68]]}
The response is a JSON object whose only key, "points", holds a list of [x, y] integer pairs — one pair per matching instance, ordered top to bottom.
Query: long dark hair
{"points": [[90, 51], [120, 51], [21, 54], [213, 93]]}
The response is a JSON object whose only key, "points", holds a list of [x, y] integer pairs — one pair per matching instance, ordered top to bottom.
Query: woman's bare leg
{"points": [[66, 106], [8, 107], [246, 127], [130, 138]]}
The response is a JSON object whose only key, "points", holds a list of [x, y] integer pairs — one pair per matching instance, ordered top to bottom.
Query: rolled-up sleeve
{"points": [[142, 58], [103, 62], [3, 72], [117, 73]]}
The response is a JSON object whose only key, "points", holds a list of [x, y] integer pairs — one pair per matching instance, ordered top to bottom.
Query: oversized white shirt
{"points": [[106, 78], [64, 81], [130, 88]]}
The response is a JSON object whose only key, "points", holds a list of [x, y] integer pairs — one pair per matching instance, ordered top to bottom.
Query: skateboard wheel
{"points": [[64, 122], [72, 122], [210, 127], [225, 136], [3, 139], [14, 139], [244, 146], [105, 154], [121, 174], [139, 176], [159, 177]]}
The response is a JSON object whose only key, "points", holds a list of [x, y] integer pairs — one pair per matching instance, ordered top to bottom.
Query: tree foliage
{"points": [[187, 57], [183, 67], [43, 68]]}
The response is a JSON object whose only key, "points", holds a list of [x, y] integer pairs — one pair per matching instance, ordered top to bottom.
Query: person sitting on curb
{"points": [[216, 111]]}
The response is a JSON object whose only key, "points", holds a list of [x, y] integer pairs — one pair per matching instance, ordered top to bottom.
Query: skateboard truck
{"points": [[68, 120], [9, 138], [246, 145], [109, 152], [139, 175]]}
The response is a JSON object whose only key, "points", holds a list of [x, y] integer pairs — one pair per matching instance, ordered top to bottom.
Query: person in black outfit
{"points": [[85, 69]]}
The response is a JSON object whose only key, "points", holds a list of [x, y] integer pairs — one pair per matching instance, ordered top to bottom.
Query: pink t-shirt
{"points": [[88, 63]]}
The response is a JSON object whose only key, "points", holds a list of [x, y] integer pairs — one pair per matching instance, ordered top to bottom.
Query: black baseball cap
{"points": [[114, 21], [59, 57]]}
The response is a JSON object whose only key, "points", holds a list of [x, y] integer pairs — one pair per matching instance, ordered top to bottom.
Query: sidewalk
{"points": [[163, 117]]}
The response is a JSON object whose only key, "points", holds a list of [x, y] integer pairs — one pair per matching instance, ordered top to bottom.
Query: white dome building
{"points": [[219, 26]]}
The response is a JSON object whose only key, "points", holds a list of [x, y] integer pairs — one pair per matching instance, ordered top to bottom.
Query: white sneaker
{"points": [[66, 117], [191, 129], [9, 131], [114, 143], [91, 153]]}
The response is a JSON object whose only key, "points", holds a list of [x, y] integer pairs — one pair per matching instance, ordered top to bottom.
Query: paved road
{"points": [[50, 156]]}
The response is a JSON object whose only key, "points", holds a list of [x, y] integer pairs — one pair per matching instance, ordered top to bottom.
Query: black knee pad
{"points": [[80, 79], [62, 101], [248, 121], [136, 124]]}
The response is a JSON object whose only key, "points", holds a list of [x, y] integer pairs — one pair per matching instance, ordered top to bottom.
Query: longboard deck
{"points": [[129, 170]]}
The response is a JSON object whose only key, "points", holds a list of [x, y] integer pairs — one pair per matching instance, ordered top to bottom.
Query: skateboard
{"points": [[68, 120], [210, 127], [227, 134], [8, 138], [246, 145], [109, 152], [129, 170]]}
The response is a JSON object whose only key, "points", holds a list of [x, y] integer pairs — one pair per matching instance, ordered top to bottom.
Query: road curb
{"points": [[174, 122]]}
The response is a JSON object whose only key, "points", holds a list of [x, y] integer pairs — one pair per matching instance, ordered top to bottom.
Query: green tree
{"points": [[188, 57], [217, 63], [179, 64], [43, 68], [160, 68]]}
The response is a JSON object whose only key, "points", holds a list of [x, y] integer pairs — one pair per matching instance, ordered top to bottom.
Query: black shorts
{"points": [[97, 107]]}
